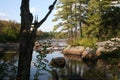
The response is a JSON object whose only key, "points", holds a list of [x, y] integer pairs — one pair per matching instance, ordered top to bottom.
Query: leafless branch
{"points": [[51, 7]]}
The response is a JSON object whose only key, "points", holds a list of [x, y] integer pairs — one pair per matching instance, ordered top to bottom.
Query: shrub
{"points": [[87, 42]]}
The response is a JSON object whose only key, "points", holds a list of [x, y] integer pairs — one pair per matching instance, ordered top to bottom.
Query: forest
{"points": [[84, 22]]}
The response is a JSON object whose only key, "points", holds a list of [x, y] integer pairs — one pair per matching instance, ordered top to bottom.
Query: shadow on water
{"points": [[74, 69]]}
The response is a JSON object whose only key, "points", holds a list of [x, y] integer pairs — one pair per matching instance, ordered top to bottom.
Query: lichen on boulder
{"points": [[108, 47]]}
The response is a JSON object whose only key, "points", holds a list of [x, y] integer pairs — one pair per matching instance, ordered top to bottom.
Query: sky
{"points": [[10, 10]]}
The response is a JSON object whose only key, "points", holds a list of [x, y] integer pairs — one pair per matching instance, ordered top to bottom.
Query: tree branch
{"points": [[51, 7]]}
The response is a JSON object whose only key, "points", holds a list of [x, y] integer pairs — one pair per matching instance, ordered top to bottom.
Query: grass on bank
{"points": [[86, 42]]}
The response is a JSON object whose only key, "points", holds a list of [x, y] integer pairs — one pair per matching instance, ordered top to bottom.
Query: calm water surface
{"points": [[75, 68], [44, 74]]}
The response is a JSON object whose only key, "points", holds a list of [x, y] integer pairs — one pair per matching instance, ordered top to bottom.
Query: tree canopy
{"points": [[88, 18]]}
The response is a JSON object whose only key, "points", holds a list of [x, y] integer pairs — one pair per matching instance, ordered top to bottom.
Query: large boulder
{"points": [[108, 47], [74, 50], [99, 51], [89, 53], [58, 62]]}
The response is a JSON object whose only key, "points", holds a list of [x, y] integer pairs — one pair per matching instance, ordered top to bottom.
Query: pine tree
{"points": [[96, 9], [71, 15]]}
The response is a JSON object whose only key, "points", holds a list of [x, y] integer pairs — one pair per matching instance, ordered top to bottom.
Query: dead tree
{"points": [[27, 38]]}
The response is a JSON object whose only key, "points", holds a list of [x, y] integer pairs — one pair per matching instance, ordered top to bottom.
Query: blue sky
{"points": [[10, 10]]}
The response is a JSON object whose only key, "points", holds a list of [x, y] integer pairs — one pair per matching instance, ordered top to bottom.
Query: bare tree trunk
{"points": [[80, 20], [80, 25], [76, 30], [27, 39], [26, 43]]}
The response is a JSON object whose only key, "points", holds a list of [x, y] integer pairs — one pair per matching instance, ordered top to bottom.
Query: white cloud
{"points": [[33, 10], [3, 16]]}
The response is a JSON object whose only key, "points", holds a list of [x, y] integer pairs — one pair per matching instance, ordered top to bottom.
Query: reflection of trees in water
{"points": [[40, 65], [8, 67], [45, 69], [74, 69], [106, 69], [102, 70], [7, 71], [54, 74], [95, 74], [102, 74]]}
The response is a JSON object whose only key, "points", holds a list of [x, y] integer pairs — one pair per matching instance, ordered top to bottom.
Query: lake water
{"points": [[74, 69], [44, 74]]}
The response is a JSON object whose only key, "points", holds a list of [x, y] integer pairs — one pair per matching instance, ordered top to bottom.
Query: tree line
{"points": [[9, 32], [49, 35]]}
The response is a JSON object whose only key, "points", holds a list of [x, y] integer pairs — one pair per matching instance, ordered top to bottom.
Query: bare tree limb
{"points": [[46, 16]]}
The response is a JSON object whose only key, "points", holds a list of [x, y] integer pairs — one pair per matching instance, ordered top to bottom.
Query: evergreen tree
{"points": [[71, 15], [94, 17]]}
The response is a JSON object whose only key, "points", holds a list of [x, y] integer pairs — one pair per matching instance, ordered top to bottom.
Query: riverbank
{"points": [[9, 47]]}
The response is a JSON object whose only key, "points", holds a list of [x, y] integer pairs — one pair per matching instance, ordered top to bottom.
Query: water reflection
{"points": [[8, 66], [40, 67], [75, 68], [107, 69]]}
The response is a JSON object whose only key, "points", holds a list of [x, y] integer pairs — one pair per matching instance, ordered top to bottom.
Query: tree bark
{"points": [[27, 39], [26, 43]]}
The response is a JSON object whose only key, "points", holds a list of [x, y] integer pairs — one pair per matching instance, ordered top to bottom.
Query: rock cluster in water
{"points": [[106, 47]]}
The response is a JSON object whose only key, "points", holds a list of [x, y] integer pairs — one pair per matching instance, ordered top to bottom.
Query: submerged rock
{"points": [[58, 62]]}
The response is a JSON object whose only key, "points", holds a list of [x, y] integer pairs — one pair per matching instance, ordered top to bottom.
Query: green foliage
{"points": [[70, 15], [112, 17], [100, 18], [103, 20], [9, 31], [60, 35], [87, 42]]}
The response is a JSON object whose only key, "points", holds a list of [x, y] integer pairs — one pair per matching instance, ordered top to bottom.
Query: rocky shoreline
{"points": [[9, 47], [110, 47]]}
